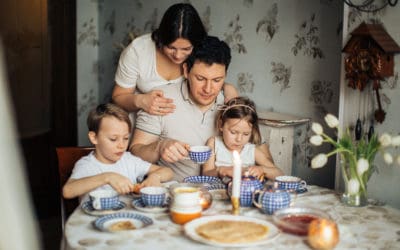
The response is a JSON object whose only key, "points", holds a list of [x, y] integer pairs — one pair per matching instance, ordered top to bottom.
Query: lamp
{"points": [[369, 5]]}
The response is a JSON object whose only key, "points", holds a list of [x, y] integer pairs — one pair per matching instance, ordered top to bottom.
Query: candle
{"points": [[237, 172]]}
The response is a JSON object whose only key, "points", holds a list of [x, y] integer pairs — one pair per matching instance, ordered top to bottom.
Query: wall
{"points": [[285, 56], [383, 185]]}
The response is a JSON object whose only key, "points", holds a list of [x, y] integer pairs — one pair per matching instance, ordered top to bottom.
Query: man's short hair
{"points": [[210, 50]]}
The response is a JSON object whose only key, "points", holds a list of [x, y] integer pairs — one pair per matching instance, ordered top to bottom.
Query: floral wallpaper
{"points": [[288, 65]]}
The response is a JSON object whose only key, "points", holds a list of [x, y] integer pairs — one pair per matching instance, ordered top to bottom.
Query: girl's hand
{"points": [[155, 103], [256, 171], [120, 183]]}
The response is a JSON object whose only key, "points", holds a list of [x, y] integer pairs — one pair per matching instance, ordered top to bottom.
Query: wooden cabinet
{"points": [[278, 131]]}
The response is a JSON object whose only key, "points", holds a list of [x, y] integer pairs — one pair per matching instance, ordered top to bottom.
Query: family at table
{"points": [[175, 81]]}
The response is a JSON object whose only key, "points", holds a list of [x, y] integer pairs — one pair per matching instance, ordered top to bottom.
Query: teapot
{"points": [[248, 185], [271, 200]]}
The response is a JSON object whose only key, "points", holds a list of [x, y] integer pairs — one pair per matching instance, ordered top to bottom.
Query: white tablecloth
{"points": [[369, 227]]}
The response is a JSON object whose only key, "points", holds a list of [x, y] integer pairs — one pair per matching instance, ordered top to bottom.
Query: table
{"points": [[369, 227]]}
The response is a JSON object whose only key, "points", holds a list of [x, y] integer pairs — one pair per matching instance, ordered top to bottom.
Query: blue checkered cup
{"points": [[199, 154], [290, 183], [154, 196], [104, 199], [271, 201]]}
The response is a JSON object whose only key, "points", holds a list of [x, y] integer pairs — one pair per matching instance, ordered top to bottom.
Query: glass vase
{"points": [[349, 197], [359, 199]]}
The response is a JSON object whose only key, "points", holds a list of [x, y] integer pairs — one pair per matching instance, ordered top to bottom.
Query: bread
{"points": [[122, 225], [226, 231]]}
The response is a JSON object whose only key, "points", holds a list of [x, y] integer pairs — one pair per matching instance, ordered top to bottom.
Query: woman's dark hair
{"points": [[179, 21], [244, 109]]}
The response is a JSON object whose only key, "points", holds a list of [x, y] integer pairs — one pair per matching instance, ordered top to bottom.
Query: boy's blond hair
{"points": [[105, 110]]}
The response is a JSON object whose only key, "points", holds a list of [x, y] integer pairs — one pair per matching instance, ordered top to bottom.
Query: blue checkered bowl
{"points": [[199, 154], [202, 179], [290, 183], [154, 196], [104, 199], [271, 201]]}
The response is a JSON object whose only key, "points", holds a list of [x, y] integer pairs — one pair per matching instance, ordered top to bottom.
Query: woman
{"points": [[156, 59]]}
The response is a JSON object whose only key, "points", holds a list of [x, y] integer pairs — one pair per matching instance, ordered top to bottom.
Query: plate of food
{"points": [[202, 179], [139, 205], [88, 208], [122, 222], [231, 231]]}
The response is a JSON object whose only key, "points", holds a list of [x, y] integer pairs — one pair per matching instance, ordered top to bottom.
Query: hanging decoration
{"points": [[370, 59]]}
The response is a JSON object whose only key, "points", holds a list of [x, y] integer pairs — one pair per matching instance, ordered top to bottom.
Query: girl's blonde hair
{"points": [[244, 109]]}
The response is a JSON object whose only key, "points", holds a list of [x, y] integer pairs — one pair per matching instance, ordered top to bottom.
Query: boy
{"points": [[110, 165]]}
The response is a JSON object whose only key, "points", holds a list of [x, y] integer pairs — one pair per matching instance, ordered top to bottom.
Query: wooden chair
{"points": [[67, 156]]}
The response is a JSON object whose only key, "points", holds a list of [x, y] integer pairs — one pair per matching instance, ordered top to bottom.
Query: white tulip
{"points": [[331, 120], [317, 128], [385, 139], [316, 140], [396, 141], [388, 158], [319, 161], [362, 166], [353, 186]]}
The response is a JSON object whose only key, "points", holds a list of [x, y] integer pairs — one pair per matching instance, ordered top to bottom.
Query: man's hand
{"points": [[173, 150]]}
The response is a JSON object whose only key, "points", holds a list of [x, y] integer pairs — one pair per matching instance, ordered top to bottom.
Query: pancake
{"points": [[122, 225], [226, 231]]}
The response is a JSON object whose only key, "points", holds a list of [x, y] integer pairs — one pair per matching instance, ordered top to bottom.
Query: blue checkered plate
{"points": [[203, 179], [218, 191], [138, 204], [88, 208], [107, 223], [190, 229]]}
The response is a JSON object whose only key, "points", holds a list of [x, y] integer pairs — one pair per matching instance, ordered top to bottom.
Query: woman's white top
{"points": [[137, 67], [223, 156]]}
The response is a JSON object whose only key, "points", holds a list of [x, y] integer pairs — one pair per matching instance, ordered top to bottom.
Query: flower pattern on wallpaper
{"points": [[99, 3], [247, 3], [356, 17], [206, 19], [152, 23], [269, 24], [109, 26], [87, 34], [233, 37], [307, 39], [98, 70], [281, 75], [245, 82], [391, 82], [321, 95], [86, 102], [302, 151]]}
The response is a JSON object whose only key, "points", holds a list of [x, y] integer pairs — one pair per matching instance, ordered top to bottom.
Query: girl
{"points": [[237, 124]]}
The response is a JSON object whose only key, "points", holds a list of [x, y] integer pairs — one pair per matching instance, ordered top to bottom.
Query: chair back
{"points": [[67, 157]]}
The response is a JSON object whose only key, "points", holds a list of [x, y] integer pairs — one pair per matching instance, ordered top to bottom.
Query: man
{"points": [[167, 138]]}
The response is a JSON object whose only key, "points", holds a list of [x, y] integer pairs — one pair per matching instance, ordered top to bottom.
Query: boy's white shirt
{"points": [[129, 166]]}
